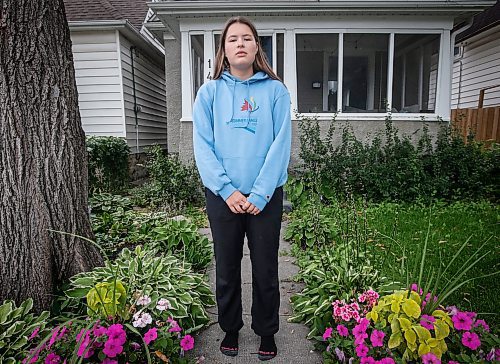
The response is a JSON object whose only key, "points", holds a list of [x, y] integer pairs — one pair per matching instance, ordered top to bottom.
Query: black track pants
{"points": [[262, 231]]}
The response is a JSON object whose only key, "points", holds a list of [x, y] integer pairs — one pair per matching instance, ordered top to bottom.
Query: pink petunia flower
{"points": [[415, 288], [461, 321], [427, 322], [483, 324], [174, 325], [342, 330], [358, 330], [34, 333], [328, 333], [117, 334], [151, 335], [53, 337], [377, 338], [360, 339], [471, 340], [187, 343], [112, 348], [361, 350], [52, 358], [430, 358], [368, 360], [109, 361], [386, 361], [453, 362]]}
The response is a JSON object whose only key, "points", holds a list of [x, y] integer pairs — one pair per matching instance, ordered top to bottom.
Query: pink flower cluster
{"points": [[415, 288], [369, 297], [346, 311], [466, 321], [58, 333]]}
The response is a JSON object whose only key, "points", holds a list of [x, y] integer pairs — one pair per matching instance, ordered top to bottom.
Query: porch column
{"points": [[173, 90]]}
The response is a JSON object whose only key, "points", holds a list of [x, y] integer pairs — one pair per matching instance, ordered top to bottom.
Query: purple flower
{"points": [[414, 287], [461, 321], [427, 322], [483, 324], [174, 325], [342, 330], [34, 333], [328, 333], [117, 334], [151, 335], [53, 337], [377, 338], [360, 339], [471, 340], [187, 343], [112, 348], [361, 350], [340, 355], [52, 358], [430, 358], [368, 360], [109, 361], [386, 361]]}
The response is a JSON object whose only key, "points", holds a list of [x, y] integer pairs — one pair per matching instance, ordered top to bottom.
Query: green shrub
{"points": [[108, 164], [393, 167], [172, 182], [158, 277], [17, 325]]}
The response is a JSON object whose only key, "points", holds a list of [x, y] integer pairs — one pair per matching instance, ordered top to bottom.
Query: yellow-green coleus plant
{"points": [[107, 299], [401, 311]]}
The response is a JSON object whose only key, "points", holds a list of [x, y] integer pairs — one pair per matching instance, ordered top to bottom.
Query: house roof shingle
{"points": [[132, 10], [482, 21]]}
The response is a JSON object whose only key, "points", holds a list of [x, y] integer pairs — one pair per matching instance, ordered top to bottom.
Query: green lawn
{"points": [[451, 226]]}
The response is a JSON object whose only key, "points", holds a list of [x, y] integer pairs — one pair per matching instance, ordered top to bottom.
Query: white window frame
{"points": [[290, 27], [441, 87]]}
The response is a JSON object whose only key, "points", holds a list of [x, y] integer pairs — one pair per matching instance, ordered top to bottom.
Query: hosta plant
{"points": [[159, 277], [17, 328]]}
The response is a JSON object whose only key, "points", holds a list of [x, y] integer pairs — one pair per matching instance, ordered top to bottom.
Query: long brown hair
{"points": [[260, 63]]}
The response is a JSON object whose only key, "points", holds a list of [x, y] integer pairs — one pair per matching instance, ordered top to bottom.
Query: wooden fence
{"points": [[482, 123]]}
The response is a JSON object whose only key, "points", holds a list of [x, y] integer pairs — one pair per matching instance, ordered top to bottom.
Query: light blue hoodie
{"points": [[242, 136]]}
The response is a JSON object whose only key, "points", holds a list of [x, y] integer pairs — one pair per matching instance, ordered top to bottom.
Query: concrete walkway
{"points": [[293, 347]]}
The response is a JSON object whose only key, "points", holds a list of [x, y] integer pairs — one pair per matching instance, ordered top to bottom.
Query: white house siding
{"points": [[480, 68], [98, 82], [150, 95]]}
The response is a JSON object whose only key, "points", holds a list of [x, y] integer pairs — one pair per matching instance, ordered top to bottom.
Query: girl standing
{"points": [[242, 137]]}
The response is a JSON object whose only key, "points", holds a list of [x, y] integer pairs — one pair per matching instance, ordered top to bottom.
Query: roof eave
{"points": [[169, 12], [123, 26]]}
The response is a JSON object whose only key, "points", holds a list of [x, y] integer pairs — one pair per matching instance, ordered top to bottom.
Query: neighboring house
{"points": [[350, 57], [476, 64], [120, 71]]}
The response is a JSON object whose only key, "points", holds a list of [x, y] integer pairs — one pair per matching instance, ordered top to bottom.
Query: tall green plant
{"points": [[107, 164]]}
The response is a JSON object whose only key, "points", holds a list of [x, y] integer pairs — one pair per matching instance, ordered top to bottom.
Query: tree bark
{"points": [[43, 159]]}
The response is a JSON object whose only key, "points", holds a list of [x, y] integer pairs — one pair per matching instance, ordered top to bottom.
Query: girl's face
{"points": [[240, 47]]}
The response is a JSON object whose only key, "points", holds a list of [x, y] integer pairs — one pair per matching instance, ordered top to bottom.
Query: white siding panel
{"points": [[95, 57], [480, 68], [150, 96]]}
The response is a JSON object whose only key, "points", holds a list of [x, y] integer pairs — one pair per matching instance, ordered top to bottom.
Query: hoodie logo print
{"points": [[249, 105]]}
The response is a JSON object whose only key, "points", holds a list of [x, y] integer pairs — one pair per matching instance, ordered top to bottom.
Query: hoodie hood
{"points": [[234, 85]]}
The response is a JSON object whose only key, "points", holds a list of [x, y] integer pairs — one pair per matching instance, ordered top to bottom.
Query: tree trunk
{"points": [[43, 159]]}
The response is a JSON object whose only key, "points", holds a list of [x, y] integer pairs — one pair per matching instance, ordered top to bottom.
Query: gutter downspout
{"points": [[454, 34], [136, 108]]}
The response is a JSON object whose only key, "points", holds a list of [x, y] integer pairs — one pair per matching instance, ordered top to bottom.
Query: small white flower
{"points": [[144, 300], [163, 304], [142, 319]]}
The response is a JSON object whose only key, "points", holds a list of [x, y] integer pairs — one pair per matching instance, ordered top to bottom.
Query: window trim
{"points": [[390, 72]]}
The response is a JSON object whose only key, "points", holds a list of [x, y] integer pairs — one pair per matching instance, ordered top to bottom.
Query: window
{"points": [[416, 58], [197, 60], [317, 72], [364, 86]]}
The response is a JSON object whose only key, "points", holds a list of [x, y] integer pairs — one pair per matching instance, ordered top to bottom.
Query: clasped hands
{"points": [[240, 205]]}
